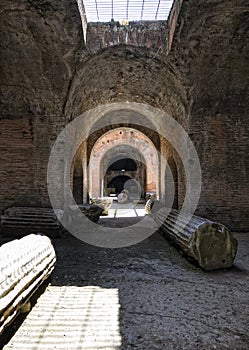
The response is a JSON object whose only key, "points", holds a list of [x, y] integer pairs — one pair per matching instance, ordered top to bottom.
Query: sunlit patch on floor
{"points": [[128, 210], [124, 215], [71, 317]]}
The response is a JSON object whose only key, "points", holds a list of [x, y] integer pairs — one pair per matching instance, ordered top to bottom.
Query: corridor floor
{"points": [[145, 296]]}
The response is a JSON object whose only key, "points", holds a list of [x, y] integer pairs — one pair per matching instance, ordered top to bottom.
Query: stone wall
{"points": [[172, 21], [149, 34], [40, 44], [211, 51], [127, 73], [17, 165]]}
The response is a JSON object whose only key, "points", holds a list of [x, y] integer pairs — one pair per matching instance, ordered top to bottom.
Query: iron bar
{"points": [[159, 1], [97, 9], [127, 10], [142, 11]]}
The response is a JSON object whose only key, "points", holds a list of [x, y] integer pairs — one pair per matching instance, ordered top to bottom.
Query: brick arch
{"points": [[123, 74], [123, 115], [122, 118], [133, 142]]}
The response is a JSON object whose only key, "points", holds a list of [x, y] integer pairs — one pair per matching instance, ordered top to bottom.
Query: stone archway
{"points": [[78, 133], [119, 144]]}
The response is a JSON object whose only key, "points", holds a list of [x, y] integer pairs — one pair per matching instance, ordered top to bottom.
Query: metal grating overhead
{"points": [[127, 10]]}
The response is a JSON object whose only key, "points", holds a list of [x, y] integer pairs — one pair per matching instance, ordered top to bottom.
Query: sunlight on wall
{"points": [[71, 317]]}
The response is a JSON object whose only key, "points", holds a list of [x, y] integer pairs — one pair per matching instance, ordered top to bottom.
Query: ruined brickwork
{"points": [[172, 21], [152, 35], [39, 48], [212, 53], [49, 77]]}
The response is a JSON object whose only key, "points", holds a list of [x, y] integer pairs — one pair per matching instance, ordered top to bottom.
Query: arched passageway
{"points": [[107, 140], [126, 152], [126, 170], [117, 184]]}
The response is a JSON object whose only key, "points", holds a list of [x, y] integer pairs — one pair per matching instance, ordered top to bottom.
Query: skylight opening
{"points": [[127, 10]]}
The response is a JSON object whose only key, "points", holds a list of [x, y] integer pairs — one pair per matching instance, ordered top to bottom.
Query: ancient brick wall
{"points": [[172, 21], [152, 35], [39, 44], [212, 52], [17, 166]]}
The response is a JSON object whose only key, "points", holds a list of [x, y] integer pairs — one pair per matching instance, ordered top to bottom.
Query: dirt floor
{"points": [[162, 300]]}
